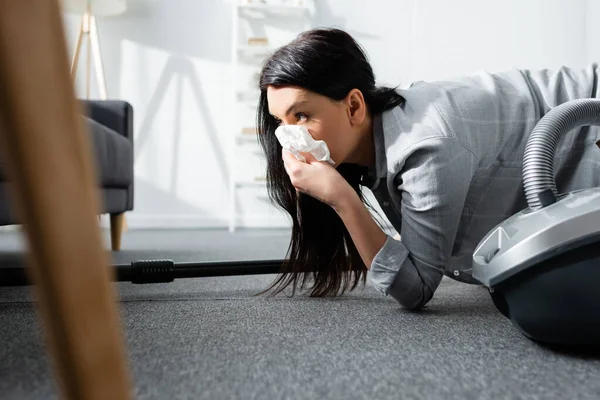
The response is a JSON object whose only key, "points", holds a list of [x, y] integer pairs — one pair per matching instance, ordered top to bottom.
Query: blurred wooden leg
{"points": [[49, 164], [116, 230]]}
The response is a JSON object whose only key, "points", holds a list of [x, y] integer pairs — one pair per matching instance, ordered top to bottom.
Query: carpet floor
{"points": [[210, 338]]}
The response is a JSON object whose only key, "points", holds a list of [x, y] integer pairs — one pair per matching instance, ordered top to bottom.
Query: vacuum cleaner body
{"points": [[542, 265], [543, 269]]}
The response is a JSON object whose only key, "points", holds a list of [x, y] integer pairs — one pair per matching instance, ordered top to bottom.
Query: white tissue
{"points": [[296, 139]]}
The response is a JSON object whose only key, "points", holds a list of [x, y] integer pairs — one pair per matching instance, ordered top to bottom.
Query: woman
{"points": [[443, 159]]}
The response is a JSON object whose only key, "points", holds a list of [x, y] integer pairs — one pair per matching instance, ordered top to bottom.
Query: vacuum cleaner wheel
{"points": [[556, 301]]}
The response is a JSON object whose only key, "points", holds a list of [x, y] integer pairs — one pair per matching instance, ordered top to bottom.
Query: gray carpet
{"points": [[211, 339]]}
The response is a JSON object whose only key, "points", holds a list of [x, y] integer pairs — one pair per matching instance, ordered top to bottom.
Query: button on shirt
{"points": [[448, 169]]}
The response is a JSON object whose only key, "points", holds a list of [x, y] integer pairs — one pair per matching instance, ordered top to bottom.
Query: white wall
{"points": [[593, 31], [171, 60]]}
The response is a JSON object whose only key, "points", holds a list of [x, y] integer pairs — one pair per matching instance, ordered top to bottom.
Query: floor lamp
{"points": [[89, 9]]}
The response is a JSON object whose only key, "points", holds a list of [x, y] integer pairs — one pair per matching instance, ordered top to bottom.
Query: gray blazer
{"points": [[448, 169]]}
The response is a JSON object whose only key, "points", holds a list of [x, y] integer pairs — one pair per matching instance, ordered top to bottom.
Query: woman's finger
{"points": [[285, 154], [288, 155], [309, 157], [292, 164], [292, 168]]}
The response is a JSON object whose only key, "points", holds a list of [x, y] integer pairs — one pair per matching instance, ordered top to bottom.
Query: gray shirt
{"points": [[449, 163]]}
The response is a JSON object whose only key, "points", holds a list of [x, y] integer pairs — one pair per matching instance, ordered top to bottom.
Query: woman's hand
{"points": [[317, 179]]}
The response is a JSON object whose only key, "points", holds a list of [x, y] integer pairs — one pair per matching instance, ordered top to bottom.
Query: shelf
{"points": [[259, 10], [256, 50], [251, 96], [249, 131], [247, 135], [242, 138], [258, 182]]}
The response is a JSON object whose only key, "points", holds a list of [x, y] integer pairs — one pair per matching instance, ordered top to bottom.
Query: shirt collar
{"points": [[379, 171]]}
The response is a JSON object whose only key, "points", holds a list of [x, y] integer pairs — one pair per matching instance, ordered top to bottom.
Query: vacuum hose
{"points": [[538, 161]]}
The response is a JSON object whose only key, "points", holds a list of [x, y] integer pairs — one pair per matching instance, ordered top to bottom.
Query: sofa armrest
{"points": [[114, 114], [118, 116]]}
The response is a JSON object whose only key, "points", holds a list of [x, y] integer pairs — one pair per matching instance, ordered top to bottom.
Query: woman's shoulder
{"points": [[472, 95], [463, 107], [425, 114], [408, 136]]}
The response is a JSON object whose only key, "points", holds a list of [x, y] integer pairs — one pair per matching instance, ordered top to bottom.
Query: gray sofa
{"points": [[110, 124]]}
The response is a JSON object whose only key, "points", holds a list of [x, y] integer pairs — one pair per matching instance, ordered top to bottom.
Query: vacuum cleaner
{"points": [[542, 265]]}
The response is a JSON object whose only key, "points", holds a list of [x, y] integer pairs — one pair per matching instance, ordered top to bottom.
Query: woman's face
{"points": [[325, 119]]}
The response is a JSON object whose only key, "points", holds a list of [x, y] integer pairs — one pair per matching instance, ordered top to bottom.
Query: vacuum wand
{"points": [[159, 271]]}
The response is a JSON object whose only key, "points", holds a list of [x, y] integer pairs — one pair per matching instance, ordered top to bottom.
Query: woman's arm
{"points": [[435, 183], [434, 186], [367, 236]]}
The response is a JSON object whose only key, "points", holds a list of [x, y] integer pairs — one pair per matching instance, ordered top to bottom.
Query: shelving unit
{"points": [[249, 49]]}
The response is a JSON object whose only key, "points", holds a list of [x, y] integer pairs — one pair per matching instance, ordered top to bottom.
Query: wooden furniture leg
{"points": [[77, 51], [48, 158], [116, 230]]}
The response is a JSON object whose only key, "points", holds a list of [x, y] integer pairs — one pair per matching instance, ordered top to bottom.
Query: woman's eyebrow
{"points": [[294, 105]]}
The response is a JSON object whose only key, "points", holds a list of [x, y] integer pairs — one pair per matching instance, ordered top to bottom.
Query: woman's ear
{"points": [[357, 108]]}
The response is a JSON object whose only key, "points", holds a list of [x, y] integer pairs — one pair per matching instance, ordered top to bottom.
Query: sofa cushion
{"points": [[112, 154]]}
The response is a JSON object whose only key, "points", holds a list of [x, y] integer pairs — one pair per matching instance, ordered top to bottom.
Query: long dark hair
{"points": [[328, 62]]}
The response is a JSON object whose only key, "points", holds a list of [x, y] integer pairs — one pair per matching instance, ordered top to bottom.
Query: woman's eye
{"points": [[301, 116]]}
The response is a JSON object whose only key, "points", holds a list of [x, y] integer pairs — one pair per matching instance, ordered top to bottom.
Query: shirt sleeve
{"points": [[433, 183]]}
